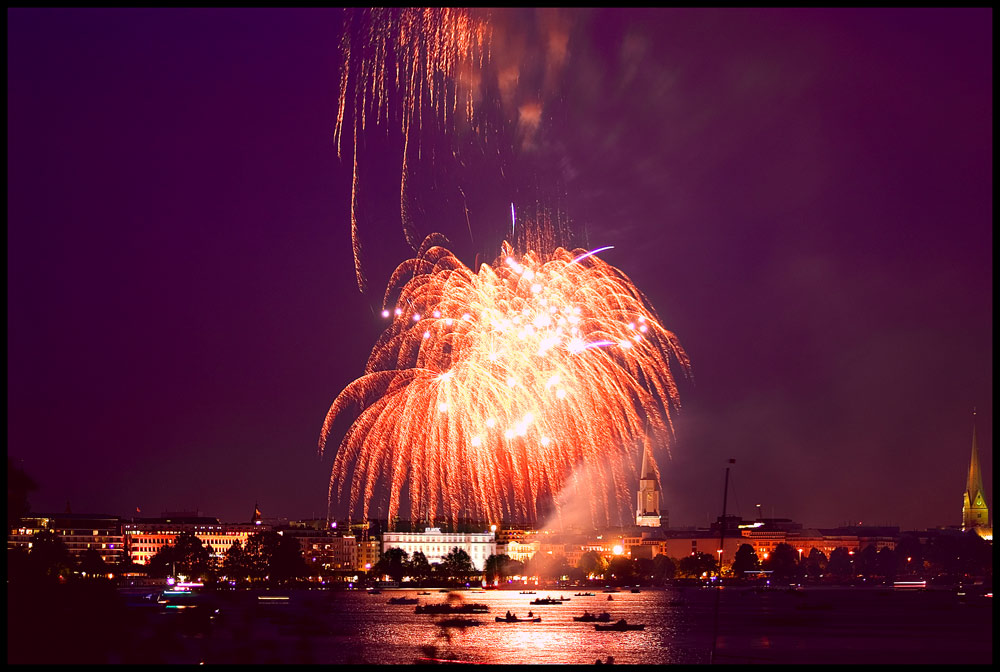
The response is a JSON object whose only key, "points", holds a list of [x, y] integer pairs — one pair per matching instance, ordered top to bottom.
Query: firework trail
{"points": [[427, 59], [430, 79], [490, 386]]}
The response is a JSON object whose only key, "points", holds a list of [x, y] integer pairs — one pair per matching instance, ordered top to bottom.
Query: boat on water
{"points": [[636, 590], [374, 591], [424, 592], [527, 592], [584, 594], [610, 598], [403, 600], [550, 600], [603, 617], [514, 619], [620, 626]]}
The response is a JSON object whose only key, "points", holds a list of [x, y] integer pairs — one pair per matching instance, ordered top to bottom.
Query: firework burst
{"points": [[490, 386]]}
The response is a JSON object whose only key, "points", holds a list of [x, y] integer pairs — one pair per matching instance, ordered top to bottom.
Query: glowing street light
{"points": [[800, 556]]}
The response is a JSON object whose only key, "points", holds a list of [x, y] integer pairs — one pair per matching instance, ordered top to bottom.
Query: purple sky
{"points": [[805, 196]]}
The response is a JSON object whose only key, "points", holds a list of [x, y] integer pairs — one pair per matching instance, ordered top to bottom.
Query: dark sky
{"points": [[805, 196]]}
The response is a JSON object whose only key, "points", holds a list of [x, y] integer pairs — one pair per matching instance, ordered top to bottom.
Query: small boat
{"points": [[636, 590], [374, 591], [527, 592], [423, 593], [584, 595], [610, 598], [403, 600], [550, 600], [588, 617], [515, 619], [620, 626]]}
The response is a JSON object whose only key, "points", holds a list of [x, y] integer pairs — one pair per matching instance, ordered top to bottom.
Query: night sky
{"points": [[805, 197]]}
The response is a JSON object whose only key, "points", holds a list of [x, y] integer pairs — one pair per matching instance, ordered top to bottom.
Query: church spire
{"points": [[647, 513], [975, 513]]}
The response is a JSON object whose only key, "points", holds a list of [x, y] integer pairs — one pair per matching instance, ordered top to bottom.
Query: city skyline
{"points": [[804, 196]]}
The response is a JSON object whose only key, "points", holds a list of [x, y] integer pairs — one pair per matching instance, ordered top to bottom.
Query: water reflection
{"points": [[325, 627]]}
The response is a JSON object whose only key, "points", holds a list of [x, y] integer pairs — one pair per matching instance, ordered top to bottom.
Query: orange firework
{"points": [[490, 387]]}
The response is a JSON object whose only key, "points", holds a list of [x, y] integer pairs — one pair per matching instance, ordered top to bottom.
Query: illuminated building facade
{"points": [[975, 513], [79, 532], [145, 537], [435, 544], [325, 551], [369, 553]]}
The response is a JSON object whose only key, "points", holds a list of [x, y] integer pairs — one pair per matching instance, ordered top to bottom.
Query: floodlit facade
{"points": [[79, 532], [145, 537], [435, 544]]}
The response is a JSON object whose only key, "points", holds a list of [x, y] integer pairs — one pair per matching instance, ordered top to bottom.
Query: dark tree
{"points": [[910, 555], [49, 556], [191, 557], [274, 557], [745, 561], [783, 562], [866, 562], [234, 563], [287, 563], [886, 563], [92, 564], [393, 564], [457, 564], [593, 564], [697, 564], [815, 564], [841, 565], [493, 567], [644, 567], [418, 568], [664, 568], [622, 570]]}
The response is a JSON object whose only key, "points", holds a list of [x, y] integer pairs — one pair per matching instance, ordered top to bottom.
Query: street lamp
{"points": [[800, 556]]}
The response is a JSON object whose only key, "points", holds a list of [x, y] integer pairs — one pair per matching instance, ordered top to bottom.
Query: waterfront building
{"points": [[975, 513], [78, 531], [144, 537], [435, 544], [324, 549], [369, 552]]}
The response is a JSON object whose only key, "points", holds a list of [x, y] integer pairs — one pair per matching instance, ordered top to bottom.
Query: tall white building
{"points": [[647, 510], [435, 544]]}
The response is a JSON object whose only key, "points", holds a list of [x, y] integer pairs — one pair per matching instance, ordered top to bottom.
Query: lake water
{"points": [[813, 625]]}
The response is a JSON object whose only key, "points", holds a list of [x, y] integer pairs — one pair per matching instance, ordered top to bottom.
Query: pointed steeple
{"points": [[974, 483], [975, 513]]}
